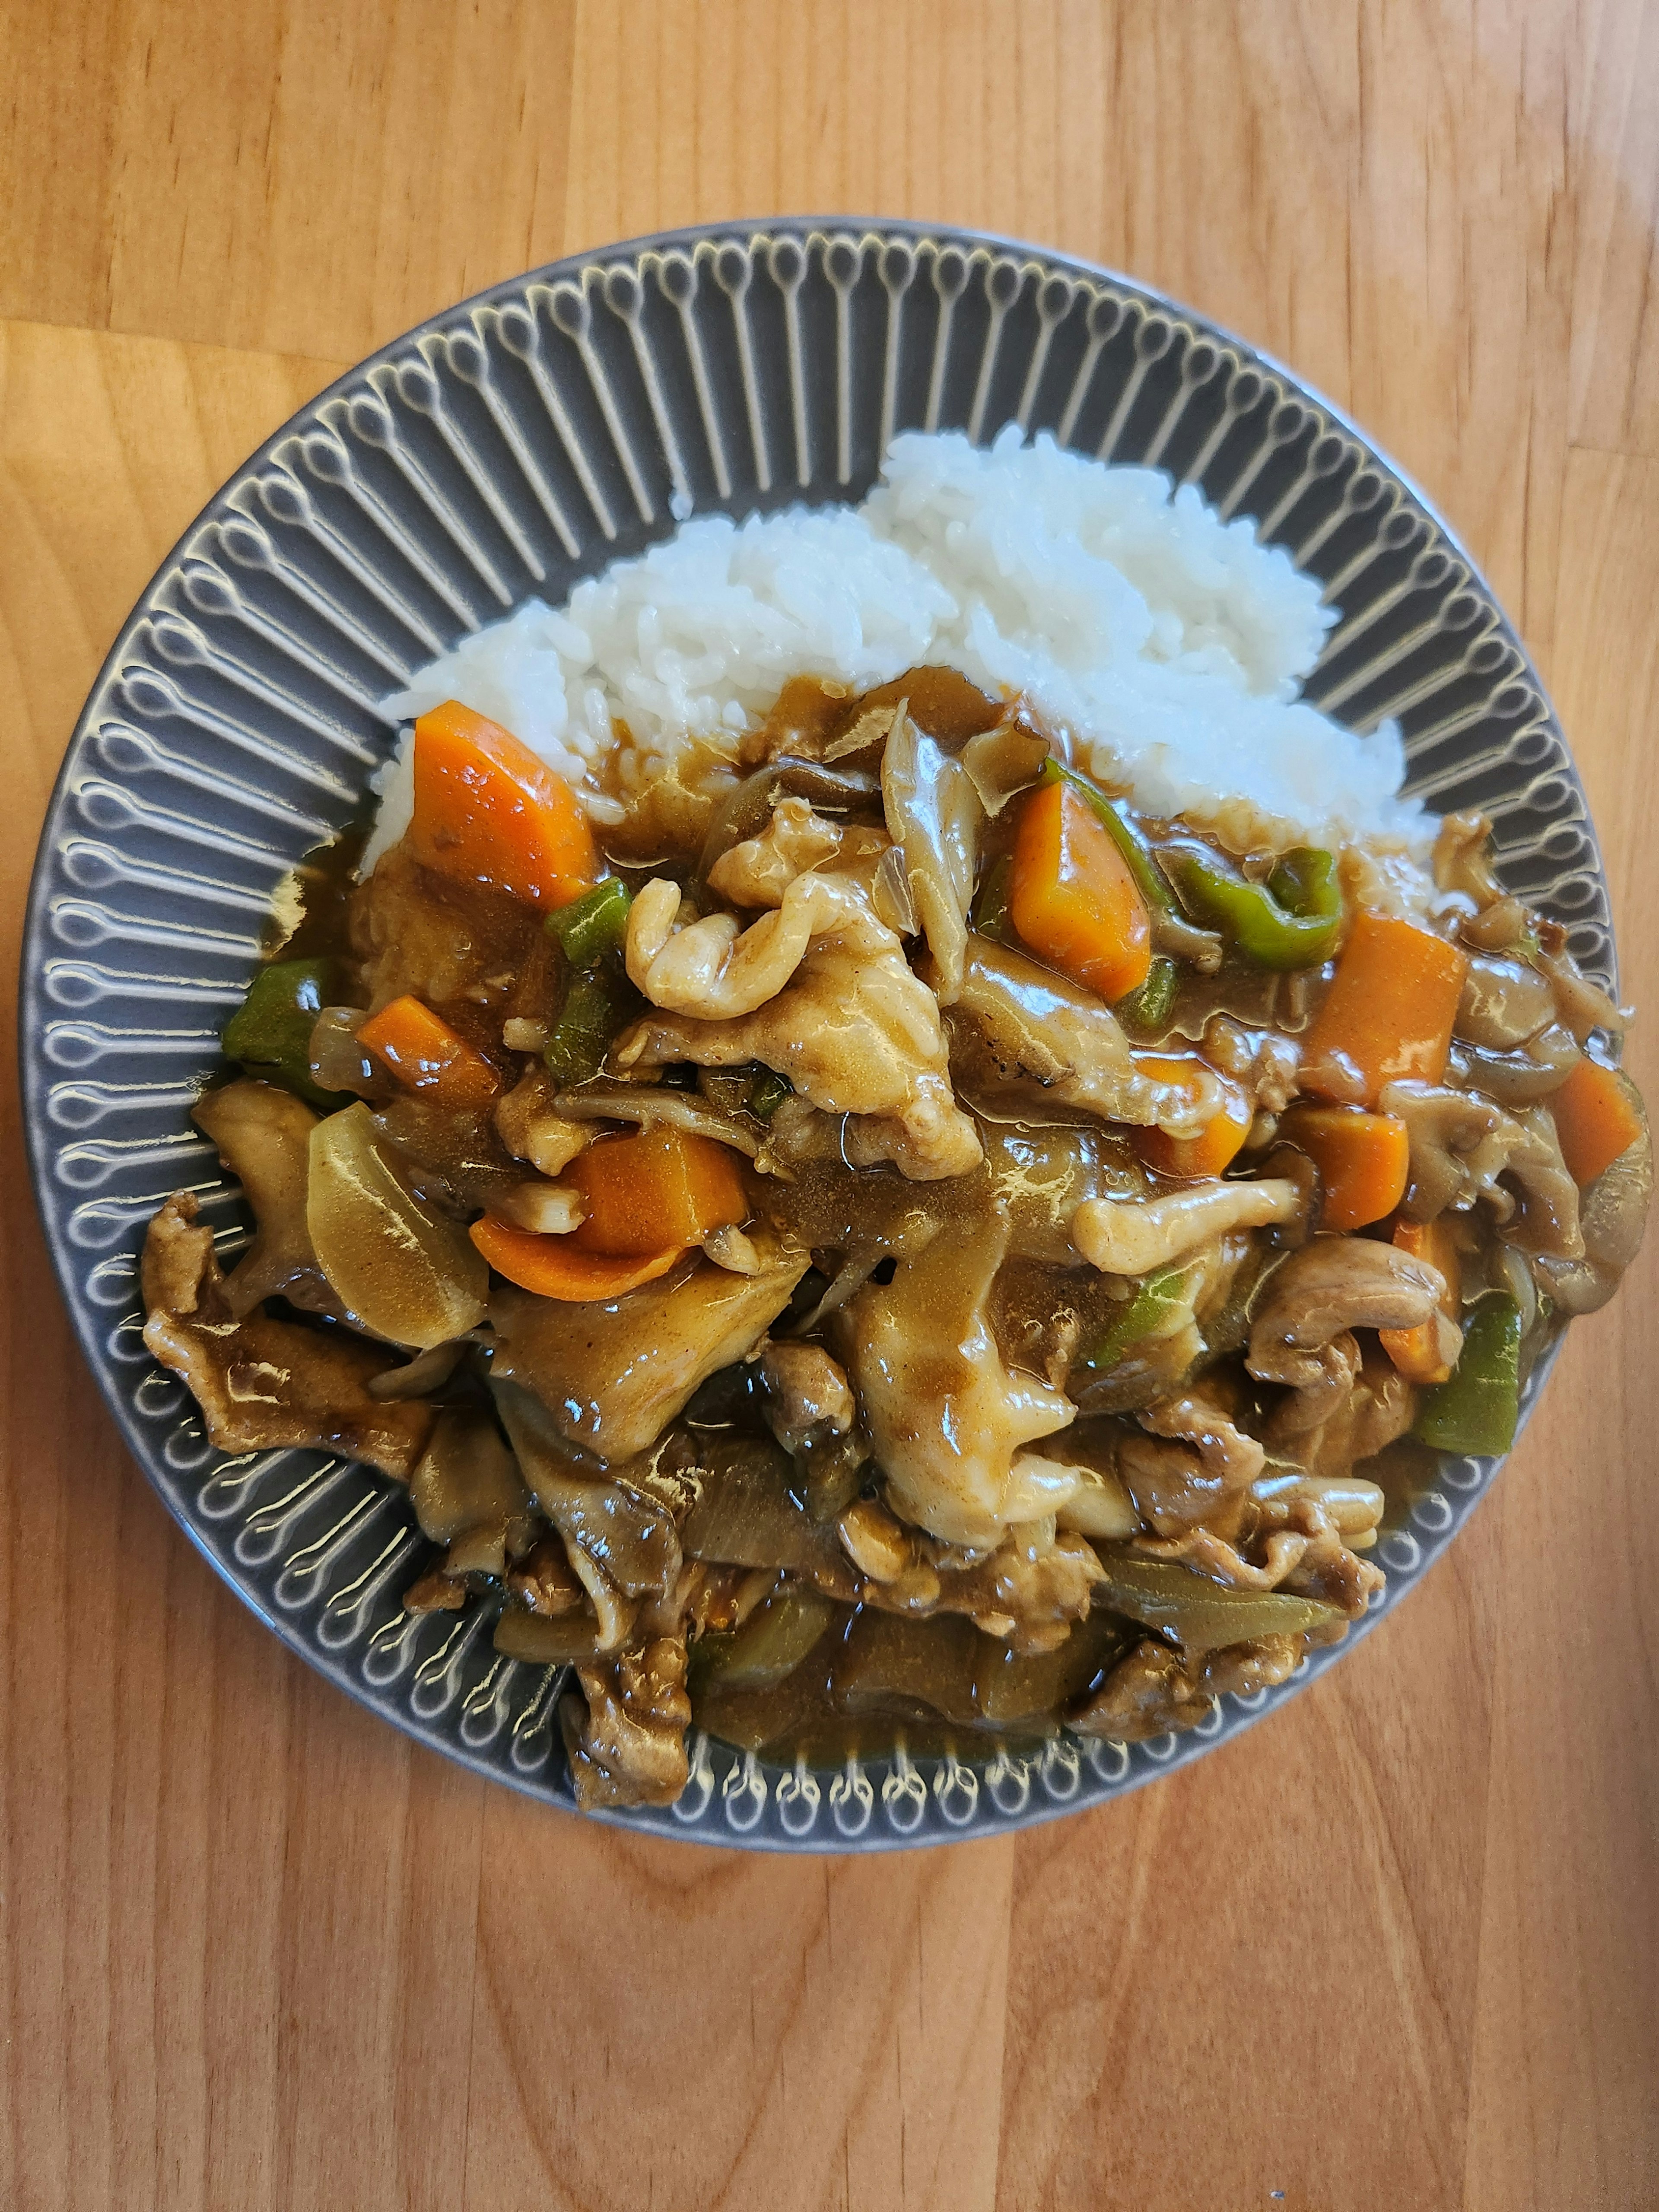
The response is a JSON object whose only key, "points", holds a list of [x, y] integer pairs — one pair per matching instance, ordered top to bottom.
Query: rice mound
{"points": [[1166, 645]]}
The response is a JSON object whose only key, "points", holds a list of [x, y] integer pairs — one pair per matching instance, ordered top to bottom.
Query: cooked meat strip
{"points": [[855, 1033], [264, 1384], [944, 1413], [1158, 1689], [627, 1745]]}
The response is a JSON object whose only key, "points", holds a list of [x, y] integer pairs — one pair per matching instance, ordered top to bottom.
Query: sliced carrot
{"points": [[488, 811], [1073, 898], [1388, 1015], [423, 1052], [1596, 1118], [1216, 1145], [1363, 1159], [663, 1186], [555, 1267], [1416, 1352]]}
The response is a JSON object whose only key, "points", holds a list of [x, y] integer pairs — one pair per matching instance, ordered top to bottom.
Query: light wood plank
{"points": [[305, 176], [238, 1914], [1568, 2019], [675, 2027]]}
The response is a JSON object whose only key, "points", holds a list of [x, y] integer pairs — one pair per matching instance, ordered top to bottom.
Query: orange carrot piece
{"points": [[488, 811], [1073, 898], [1389, 1012], [424, 1053], [1596, 1118], [1216, 1145], [1363, 1159], [663, 1186], [556, 1267], [1415, 1352]]}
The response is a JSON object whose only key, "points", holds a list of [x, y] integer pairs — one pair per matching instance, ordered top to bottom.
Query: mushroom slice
{"points": [[262, 1132], [1333, 1285]]}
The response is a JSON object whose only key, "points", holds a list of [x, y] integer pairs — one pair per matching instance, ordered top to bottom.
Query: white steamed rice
{"points": [[1168, 644]]}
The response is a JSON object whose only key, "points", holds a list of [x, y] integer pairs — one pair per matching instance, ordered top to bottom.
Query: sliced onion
{"points": [[1003, 761], [933, 813], [890, 893], [338, 1062], [408, 1273]]}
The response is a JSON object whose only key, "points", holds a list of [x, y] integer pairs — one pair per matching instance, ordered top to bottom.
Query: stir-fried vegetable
{"points": [[488, 811], [934, 815], [1113, 818], [1072, 896], [990, 914], [1290, 921], [593, 924], [1148, 1010], [593, 1012], [1390, 1014], [271, 1031], [425, 1054], [767, 1093], [1597, 1118], [1216, 1145], [1364, 1160], [661, 1187], [559, 1267], [406, 1272], [1155, 1308], [1417, 1351], [777, 1401], [1477, 1410], [466, 1477], [746, 1514], [1204, 1615], [771, 1643], [887, 1659], [1015, 1686]]}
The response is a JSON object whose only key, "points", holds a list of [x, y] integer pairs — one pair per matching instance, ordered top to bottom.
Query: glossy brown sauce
{"points": [[874, 1680]]}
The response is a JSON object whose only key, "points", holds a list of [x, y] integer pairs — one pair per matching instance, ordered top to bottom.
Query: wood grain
{"points": [[1395, 1948]]}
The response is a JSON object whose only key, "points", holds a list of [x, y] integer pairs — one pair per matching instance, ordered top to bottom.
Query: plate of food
{"points": [[820, 1035]]}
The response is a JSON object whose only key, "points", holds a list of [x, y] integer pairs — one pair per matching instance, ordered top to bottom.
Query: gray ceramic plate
{"points": [[512, 446]]}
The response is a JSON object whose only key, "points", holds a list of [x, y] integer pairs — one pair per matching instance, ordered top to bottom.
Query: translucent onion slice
{"points": [[405, 1271]]}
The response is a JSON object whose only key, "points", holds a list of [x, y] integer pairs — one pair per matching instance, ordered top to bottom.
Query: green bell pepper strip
{"points": [[1115, 819], [990, 914], [1290, 921], [593, 924], [1151, 1007], [590, 1017], [271, 1031], [767, 1092], [1159, 1297], [1475, 1410], [1202, 1614]]}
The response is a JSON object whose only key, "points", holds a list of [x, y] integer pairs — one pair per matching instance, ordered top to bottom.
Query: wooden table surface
{"points": [[1397, 1949]]}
